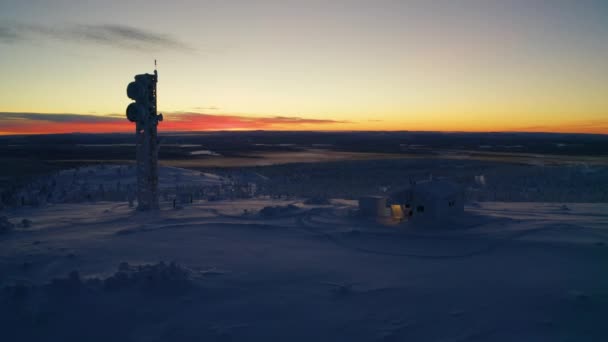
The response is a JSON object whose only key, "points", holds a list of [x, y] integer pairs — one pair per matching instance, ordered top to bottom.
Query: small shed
{"points": [[373, 206]]}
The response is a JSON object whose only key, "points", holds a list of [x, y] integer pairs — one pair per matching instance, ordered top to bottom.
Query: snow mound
{"points": [[160, 278]]}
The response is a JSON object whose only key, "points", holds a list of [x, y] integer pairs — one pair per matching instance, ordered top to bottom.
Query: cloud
{"points": [[8, 35], [114, 35], [125, 36], [206, 108], [54, 118], [201, 121], [38, 123], [599, 126]]}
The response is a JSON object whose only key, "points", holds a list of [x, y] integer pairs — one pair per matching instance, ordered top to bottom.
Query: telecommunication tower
{"points": [[143, 113]]}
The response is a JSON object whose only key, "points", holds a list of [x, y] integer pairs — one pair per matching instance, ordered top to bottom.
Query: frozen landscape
{"points": [[248, 246], [231, 270]]}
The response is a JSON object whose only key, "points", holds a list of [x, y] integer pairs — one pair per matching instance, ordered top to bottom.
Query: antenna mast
{"points": [[143, 112]]}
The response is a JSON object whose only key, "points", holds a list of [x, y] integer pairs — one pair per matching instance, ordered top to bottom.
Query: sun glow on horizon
{"points": [[343, 65]]}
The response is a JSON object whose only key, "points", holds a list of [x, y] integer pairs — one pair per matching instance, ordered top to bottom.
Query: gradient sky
{"points": [[520, 65]]}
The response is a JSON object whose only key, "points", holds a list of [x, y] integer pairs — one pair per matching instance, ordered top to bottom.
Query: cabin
{"points": [[428, 200]]}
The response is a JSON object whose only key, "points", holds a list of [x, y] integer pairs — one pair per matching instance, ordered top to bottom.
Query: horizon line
{"points": [[307, 131]]}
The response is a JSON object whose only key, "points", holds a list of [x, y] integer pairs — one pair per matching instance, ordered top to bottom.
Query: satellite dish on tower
{"points": [[136, 91], [136, 112]]}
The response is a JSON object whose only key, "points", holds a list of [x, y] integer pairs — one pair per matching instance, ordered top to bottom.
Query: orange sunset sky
{"points": [[307, 65]]}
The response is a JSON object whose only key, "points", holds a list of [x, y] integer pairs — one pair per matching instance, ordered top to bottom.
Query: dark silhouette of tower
{"points": [[143, 113]]}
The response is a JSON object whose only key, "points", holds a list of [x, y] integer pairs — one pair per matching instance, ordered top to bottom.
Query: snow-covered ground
{"points": [[505, 272]]}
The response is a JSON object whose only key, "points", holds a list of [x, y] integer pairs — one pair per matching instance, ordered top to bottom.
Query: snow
{"points": [[109, 175], [111, 183], [502, 272]]}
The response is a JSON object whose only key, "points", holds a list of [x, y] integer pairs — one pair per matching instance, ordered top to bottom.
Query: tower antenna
{"points": [[143, 112]]}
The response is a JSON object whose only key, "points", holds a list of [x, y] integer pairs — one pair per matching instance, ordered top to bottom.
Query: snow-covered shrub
{"points": [[271, 211], [25, 223], [5, 225], [158, 278], [66, 286], [18, 291]]}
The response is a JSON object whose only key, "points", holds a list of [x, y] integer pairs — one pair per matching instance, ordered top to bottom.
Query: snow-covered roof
{"points": [[436, 188]]}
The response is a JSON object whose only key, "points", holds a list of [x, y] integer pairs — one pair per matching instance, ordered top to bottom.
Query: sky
{"points": [[444, 65]]}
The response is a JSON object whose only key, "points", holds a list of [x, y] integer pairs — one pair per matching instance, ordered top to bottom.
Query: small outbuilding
{"points": [[373, 206]]}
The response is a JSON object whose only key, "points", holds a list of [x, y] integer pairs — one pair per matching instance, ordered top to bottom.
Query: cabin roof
{"points": [[437, 188]]}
